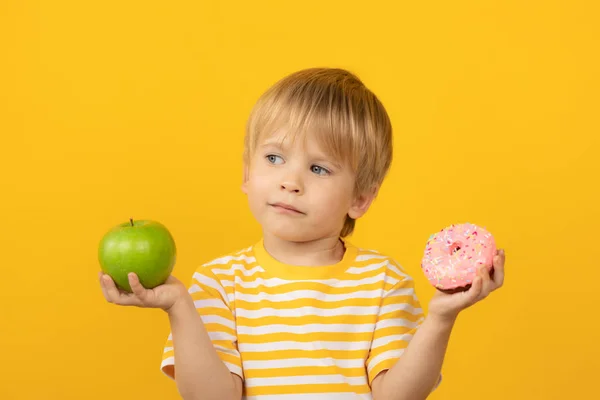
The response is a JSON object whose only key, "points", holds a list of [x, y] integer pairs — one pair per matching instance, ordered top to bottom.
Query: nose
{"points": [[292, 182]]}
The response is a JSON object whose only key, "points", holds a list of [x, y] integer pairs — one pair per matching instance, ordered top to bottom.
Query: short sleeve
{"points": [[400, 315], [218, 316]]}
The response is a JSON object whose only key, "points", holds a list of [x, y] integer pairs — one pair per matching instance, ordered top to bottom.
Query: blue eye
{"points": [[272, 158], [319, 170]]}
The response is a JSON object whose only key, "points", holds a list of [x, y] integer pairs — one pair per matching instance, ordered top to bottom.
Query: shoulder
{"points": [[382, 262], [225, 264], [217, 275]]}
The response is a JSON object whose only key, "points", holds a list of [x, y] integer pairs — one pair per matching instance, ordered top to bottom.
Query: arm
{"points": [[418, 370], [200, 372], [416, 373]]}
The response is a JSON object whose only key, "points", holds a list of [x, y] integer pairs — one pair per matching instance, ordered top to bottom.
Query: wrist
{"points": [[182, 303], [442, 321]]}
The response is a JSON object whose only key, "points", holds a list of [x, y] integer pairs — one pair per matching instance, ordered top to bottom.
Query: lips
{"points": [[287, 207]]}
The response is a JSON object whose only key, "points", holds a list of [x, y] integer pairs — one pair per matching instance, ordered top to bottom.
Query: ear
{"points": [[245, 180], [362, 203]]}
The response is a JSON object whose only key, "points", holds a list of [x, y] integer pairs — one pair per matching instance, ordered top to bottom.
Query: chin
{"points": [[290, 233]]}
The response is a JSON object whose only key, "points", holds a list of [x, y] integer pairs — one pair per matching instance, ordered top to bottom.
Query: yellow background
{"points": [[118, 109]]}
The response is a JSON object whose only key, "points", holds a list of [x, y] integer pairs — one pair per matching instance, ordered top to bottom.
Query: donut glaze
{"points": [[453, 255]]}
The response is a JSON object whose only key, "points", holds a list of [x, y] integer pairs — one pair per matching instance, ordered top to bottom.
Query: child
{"points": [[303, 313]]}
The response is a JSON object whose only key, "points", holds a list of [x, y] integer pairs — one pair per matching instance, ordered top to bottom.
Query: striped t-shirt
{"points": [[292, 332]]}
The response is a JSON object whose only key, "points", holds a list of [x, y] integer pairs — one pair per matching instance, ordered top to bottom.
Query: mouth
{"points": [[285, 208]]}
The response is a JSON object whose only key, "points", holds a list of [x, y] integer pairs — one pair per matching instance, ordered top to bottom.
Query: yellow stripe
{"points": [[227, 277], [315, 286], [402, 299], [291, 304], [225, 313], [400, 314], [307, 319], [214, 327], [392, 330], [305, 338], [223, 343], [396, 345], [315, 354], [230, 358], [381, 366], [302, 371], [296, 388]]}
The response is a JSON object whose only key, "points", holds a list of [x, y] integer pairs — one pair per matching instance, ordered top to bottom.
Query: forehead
{"points": [[305, 141]]}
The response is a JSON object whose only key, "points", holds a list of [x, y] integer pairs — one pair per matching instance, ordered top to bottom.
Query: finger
{"points": [[499, 268], [102, 285], [487, 285], [136, 287], [474, 291], [112, 293], [116, 296]]}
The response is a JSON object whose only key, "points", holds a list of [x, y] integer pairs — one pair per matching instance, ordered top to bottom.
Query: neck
{"points": [[324, 251]]}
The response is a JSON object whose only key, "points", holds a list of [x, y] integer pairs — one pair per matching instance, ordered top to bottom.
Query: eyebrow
{"points": [[272, 143]]}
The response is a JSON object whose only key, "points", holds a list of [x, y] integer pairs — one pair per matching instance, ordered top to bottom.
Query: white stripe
{"points": [[365, 257], [227, 259], [238, 267], [366, 268], [399, 271], [205, 280], [276, 282], [194, 289], [318, 295], [231, 297], [210, 303], [409, 308], [308, 310], [216, 319], [387, 323], [308, 328], [221, 336], [382, 341], [293, 345], [167, 349], [232, 352], [391, 354], [167, 361], [304, 362], [234, 368], [305, 380], [311, 396]]}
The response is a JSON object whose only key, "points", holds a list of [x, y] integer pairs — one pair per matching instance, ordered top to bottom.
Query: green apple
{"points": [[144, 247]]}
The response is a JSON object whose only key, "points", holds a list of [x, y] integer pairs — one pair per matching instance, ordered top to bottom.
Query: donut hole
{"points": [[455, 247]]}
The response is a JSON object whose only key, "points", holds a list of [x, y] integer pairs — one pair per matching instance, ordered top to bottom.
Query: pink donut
{"points": [[453, 255]]}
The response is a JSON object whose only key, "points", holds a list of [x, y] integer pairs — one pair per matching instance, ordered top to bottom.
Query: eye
{"points": [[274, 159], [319, 170]]}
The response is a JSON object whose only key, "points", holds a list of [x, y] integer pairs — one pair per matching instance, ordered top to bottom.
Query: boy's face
{"points": [[298, 192]]}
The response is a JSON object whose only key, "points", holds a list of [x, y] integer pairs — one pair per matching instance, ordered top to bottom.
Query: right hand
{"points": [[163, 296]]}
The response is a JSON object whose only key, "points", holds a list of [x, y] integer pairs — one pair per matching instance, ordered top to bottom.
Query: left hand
{"points": [[448, 306]]}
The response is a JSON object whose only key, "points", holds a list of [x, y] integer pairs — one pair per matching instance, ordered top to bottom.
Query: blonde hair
{"points": [[339, 111]]}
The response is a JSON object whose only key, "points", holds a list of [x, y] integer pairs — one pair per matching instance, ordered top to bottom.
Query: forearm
{"points": [[199, 372], [416, 373]]}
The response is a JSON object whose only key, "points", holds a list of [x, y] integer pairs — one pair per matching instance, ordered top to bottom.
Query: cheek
{"points": [[258, 184], [334, 200]]}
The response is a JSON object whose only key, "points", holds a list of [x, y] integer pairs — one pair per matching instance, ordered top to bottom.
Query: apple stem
{"points": [[131, 221]]}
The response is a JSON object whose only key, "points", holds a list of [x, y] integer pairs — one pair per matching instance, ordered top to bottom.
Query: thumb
{"points": [[136, 287], [474, 291]]}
